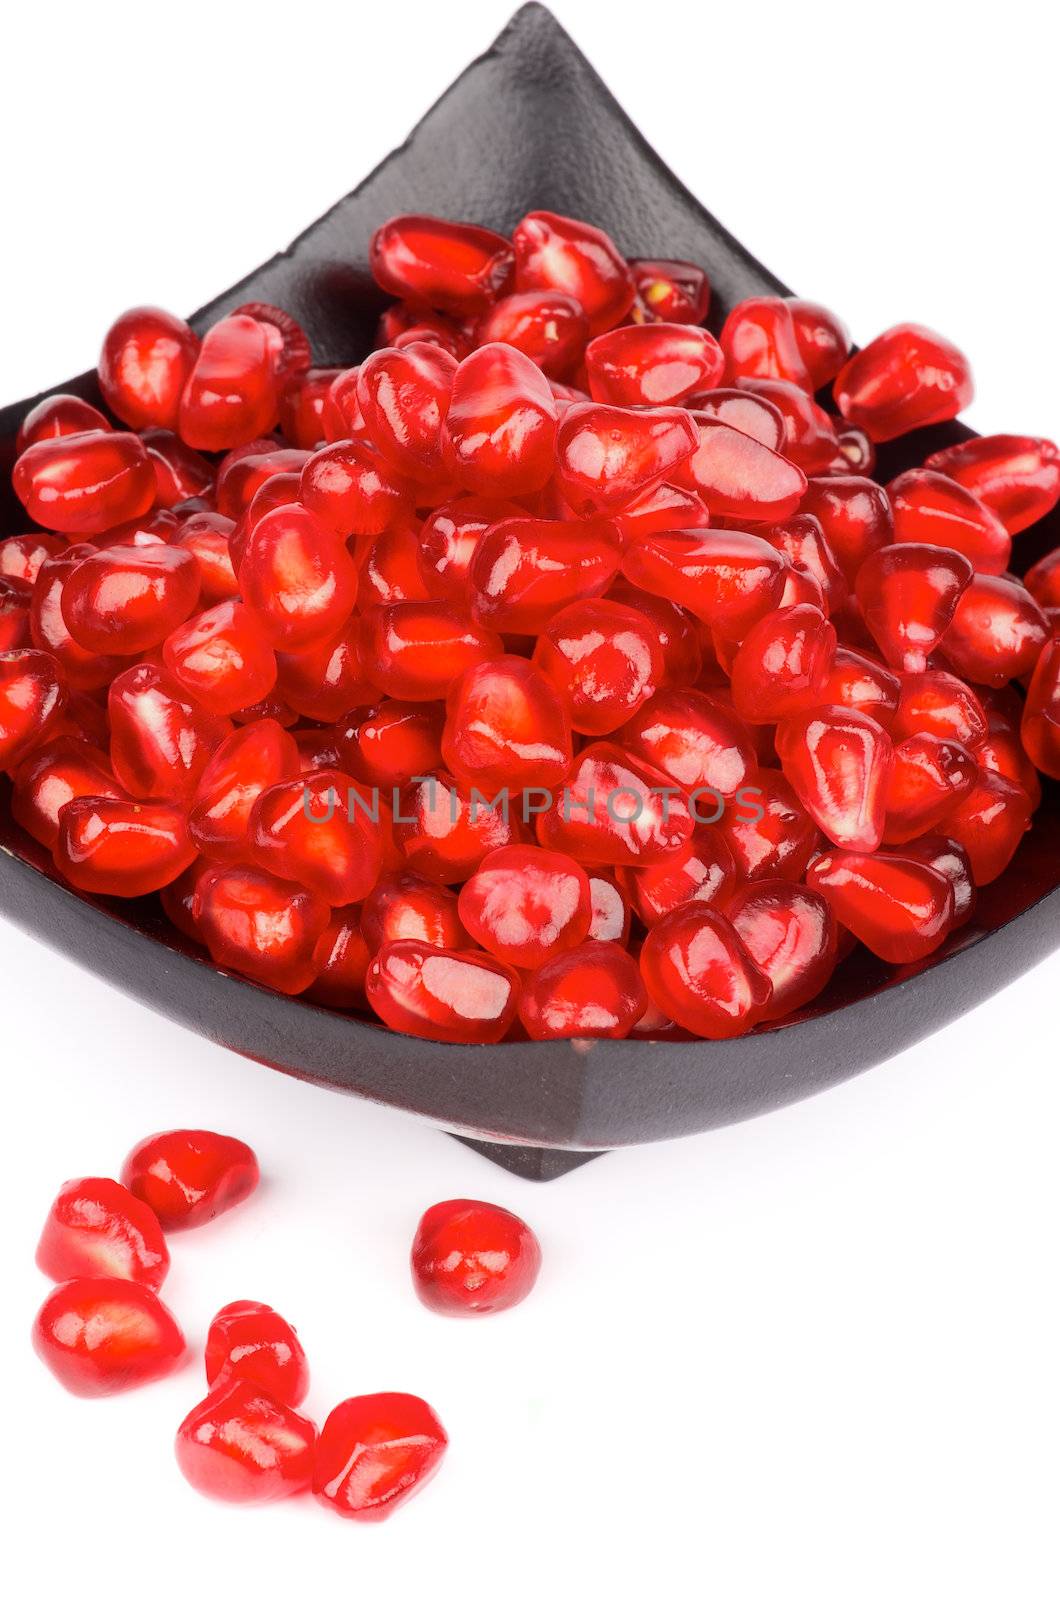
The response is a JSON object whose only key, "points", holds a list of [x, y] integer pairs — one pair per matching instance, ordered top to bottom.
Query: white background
{"points": [[815, 1355]]}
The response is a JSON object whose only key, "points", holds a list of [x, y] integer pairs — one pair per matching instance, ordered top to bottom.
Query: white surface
{"points": [[811, 1356]]}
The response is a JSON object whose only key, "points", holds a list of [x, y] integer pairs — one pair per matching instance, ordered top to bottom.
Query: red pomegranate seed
{"points": [[555, 252], [452, 266], [669, 291], [546, 325], [822, 340], [760, 341], [288, 343], [147, 357], [655, 364], [906, 378], [232, 394], [403, 396], [746, 410], [57, 416], [307, 416], [499, 435], [808, 439], [607, 456], [243, 471], [181, 473], [738, 477], [1017, 477], [85, 483], [353, 490], [661, 508], [930, 508], [855, 516], [206, 535], [448, 540], [801, 540], [22, 557], [524, 570], [297, 577], [728, 579], [1043, 579], [908, 594], [124, 601], [676, 631], [15, 632], [997, 633], [414, 650], [223, 658], [605, 659], [782, 664], [32, 695], [939, 703], [506, 725], [1040, 729], [161, 737], [394, 742], [697, 742], [250, 760], [838, 761], [65, 769], [928, 776], [615, 810], [989, 821], [445, 828], [320, 830], [122, 847], [951, 859], [703, 871], [404, 905], [526, 905], [896, 905], [610, 909], [263, 927], [790, 934], [341, 960], [700, 974], [592, 992], [457, 996], [188, 1176], [97, 1228], [470, 1258], [100, 1336], [248, 1342], [242, 1445], [374, 1452]]}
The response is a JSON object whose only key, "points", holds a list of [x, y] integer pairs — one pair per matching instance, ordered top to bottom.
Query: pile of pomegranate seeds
{"points": [[559, 671], [104, 1330]]}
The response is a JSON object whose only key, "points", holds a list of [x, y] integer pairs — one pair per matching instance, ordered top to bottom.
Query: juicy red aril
{"points": [[555, 252], [452, 266], [669, 291], [548, 326], [822, 340], [760, 341], [289, 352], [147, 357], [656, 364], [906, 378], [232, 394], [403, 397], [746, 410], [56, 416], [307, 416], [499, 436], [808, 439], [609, 455], [244, 470], [181, 473], [738, 477], [1017, 477], [85, 483], [353, 490], [930, 508], [855, 516], [206, 535], [448, 540], [801, 540], [22, 557], [524, 570], [297, 578], [728, 579], [1043, 579], [908, 594], [124, 601], [15, 602], [676, 631], [997, 633], [414, 650], [223, 658], [605, 659], [782, 664], [327, 680], [32, 695], [937, 702], [506, 724], [1040, 728], [161, 737], [695, 741], [394, 742], [251, 760], [838, 762], [64, 769], [928, 776], [616, 811], [989, 821], [445, 827], [322, 831], [122, 847], [703, 871], [403, 905], [526, 905], [896, 905], [610, 910], [263, 927], [790, 933], [341, 960], [699, 973], [592, 992], [457, 996], [188, 1176], [97, 1228], [470, 1258], [100, 1336], [251, 1343], [240, 1444], [374, 1452]]}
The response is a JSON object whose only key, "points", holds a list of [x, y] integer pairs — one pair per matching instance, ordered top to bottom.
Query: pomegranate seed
{"points": [[554, 252], [452, 266], [669, 291], [547, 326], [822, 340], [760, 341], [289, 351], [147, 357], [655, 364], [906, 378], [232, 394], [403, 397], [746, 410], [57, 416], [307, 416], [499, 436], [808, 438], [608, 456], [181, 474], [738, 477], [1016, 477], [85, 483], [351, 489], [930, 508], [659, 510], [855, 516], [206, 535], [801, 540], [22, 557], [523, 570], [297, 578], [1043, 579], [728, 580], [908, 594], [124, 601], [674, 628], [15, 632], [997, 633], [414, 650], [223, 658], [605, 659], [782, 664], [32, 695], [939, 703], [506, 725], [1040, 730], [161, 738], [696, 741], [395, 742], [249, 761], [838, 761], [64, 769], [929, 774], [616, 811], [989, 821], [445, 828], [320, 830], [122, 847], [951, 859], [703, 871], [404, 905], [526, 905], [896, 905], [610, 909], [260, 926], [790, 934], [341, 960], [700, 974], [592, 992], [457, 996], [188, 1176], [97, 1228], [470, 1258], [100, 1336], [250, 1343], [242, 1445], [374, 1452]]}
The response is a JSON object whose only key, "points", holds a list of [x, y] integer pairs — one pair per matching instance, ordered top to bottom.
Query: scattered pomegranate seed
{"points": [[551, 564], [188, 1176], [97, 1228], [470, 1258], [100, 1336], [251, 1343], [243, 1445], [374, 1452]]}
